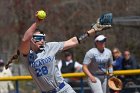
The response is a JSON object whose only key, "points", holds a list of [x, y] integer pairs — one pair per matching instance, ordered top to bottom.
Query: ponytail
{"points": [[14, 57]]}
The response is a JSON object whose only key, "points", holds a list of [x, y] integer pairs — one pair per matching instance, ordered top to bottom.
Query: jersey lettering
{"points": [[41, 62], [41, 71]]}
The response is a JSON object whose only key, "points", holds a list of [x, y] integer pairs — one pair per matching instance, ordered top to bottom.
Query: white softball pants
{"points": [[98, 87], [67, 89]]}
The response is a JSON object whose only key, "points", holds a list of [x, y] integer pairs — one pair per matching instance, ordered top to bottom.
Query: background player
{"points": [[41, 58], [101, 58], [5, 86]]}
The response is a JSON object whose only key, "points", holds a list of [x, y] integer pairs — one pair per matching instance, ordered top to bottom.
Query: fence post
{"points": [[82, 85], [17, 87]]}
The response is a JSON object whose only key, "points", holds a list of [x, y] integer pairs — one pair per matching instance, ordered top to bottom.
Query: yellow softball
{"points": [[41, 14]]}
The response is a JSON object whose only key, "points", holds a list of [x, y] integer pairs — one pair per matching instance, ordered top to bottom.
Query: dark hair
{"points": [[38, 30], [68, 53], [15, 56]]}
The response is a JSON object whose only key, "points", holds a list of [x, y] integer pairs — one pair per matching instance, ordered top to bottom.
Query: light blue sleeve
{"points": [[54, 47], [88, 58]]}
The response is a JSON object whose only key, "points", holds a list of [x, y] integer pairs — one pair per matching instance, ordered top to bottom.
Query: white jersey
{"points": [[100, 61], [42, 66], [5, 85]]}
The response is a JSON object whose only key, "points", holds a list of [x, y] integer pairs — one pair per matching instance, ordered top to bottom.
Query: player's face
{"points": [[38, 40], [39, 43], [100, 45], [68, 58]]}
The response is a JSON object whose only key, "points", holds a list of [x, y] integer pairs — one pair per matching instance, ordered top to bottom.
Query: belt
{"points": [[55, 90]]}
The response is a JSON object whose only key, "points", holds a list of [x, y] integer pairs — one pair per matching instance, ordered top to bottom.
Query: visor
{"points": [[39, 37], [100, 38]]}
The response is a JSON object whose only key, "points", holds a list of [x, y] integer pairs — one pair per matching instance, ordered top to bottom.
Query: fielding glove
{"points": [[103, 22]]}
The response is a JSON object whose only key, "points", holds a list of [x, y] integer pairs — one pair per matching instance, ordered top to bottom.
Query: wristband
{"points": [[82, 37], [110, 70]]}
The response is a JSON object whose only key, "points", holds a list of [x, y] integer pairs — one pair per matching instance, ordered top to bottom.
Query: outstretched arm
{"points": [[103, 22], [76, 40]]}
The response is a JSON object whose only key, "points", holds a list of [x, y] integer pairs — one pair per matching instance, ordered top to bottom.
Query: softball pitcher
{"points": [[41, 61]]}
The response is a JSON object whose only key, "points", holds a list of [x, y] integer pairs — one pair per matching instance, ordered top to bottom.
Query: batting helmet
{"points": [[115, 83]]}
